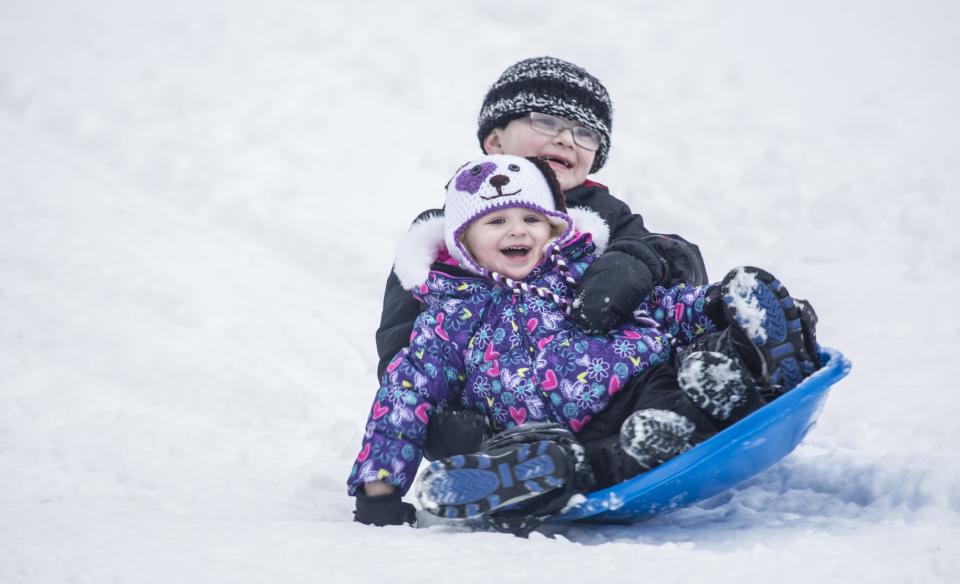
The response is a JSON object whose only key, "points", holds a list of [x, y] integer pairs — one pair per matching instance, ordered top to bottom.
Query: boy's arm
{"points": [[679, 259], [683, 259], [634, 263], [400, 309]]}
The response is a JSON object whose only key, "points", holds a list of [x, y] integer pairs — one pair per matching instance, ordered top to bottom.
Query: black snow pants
{"points": [[656, 388]]}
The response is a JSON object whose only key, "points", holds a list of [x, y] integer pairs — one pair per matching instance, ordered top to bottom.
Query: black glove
{"points": [[681, 259], [610, 291], [455, 431], [383, 510]]}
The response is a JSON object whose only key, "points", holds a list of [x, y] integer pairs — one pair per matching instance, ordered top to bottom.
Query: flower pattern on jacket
{"points": [[513, 356]]}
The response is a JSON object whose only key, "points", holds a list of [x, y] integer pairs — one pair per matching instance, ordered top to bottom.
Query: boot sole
{"points": [[778, 339], [715, 382], [666, 434], [472, 485]]}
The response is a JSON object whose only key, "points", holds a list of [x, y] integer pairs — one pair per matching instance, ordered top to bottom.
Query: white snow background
{"points": [[199, 202]]}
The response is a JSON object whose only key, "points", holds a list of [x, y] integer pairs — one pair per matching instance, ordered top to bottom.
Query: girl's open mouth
{"points": [[516, 251]]}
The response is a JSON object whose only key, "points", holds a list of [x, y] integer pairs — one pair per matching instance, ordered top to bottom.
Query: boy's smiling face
{"points": [[570, 162], [509, 241]]}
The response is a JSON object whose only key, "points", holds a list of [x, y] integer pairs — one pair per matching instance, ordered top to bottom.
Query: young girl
{"points": [[498, 275]]}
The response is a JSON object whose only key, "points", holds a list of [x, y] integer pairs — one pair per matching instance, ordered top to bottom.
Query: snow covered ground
{"points": [[198, 206]]}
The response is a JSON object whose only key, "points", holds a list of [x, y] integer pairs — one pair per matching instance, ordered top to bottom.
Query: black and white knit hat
{"points": [[551, 86], [499, 181]]}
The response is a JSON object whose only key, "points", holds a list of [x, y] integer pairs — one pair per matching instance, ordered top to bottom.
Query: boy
{"points": [[554, 109]]}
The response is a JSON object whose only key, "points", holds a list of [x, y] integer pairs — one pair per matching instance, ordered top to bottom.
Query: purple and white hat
{"points": [[500, 181]]}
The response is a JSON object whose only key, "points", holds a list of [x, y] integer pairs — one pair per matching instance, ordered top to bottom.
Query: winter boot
{"points": [[808, 324], [766, 329], [714, 377], [453, 431], [652, 437], [532, 469]]}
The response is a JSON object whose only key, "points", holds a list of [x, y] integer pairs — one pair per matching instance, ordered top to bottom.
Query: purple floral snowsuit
{"points": [[513, 356]]}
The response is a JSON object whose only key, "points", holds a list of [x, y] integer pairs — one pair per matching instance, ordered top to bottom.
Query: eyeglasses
{"points": [[553, 126]]}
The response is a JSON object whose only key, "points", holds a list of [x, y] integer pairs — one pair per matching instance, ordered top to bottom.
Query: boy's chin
{"points": [[568, 180]]}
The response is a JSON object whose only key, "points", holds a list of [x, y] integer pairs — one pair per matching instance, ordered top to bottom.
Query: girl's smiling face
{"points": [[509, 241]]}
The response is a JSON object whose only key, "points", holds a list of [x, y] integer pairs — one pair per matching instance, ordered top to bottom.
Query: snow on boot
{"points": [[765, 328], [714, 382], [652, 437], [516, 468]]}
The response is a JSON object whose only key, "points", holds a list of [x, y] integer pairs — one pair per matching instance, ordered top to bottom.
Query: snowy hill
{"points": [[198, 208]]}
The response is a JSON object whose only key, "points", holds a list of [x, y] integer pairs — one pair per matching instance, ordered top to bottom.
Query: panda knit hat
{"points": [[550, 86], [500, 181]]}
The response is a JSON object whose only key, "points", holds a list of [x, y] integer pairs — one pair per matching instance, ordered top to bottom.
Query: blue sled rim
{"points": [[732, 456]]}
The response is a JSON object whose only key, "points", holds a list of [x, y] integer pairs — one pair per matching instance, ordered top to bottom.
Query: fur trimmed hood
{"points": [[422, 245]]}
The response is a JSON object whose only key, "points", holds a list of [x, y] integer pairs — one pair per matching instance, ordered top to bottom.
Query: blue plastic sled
{"points": [[741, 451]]}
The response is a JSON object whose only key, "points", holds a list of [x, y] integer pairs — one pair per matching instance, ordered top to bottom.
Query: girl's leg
{"points": [[682, 311], [773, 334], [657, 389], [654, 418]]}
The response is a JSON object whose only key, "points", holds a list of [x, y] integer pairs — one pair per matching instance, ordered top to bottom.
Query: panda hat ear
{"points": [[454, 175]]}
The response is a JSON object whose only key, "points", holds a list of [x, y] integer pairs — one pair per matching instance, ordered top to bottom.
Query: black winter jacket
{"points": [[679, 261]]}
